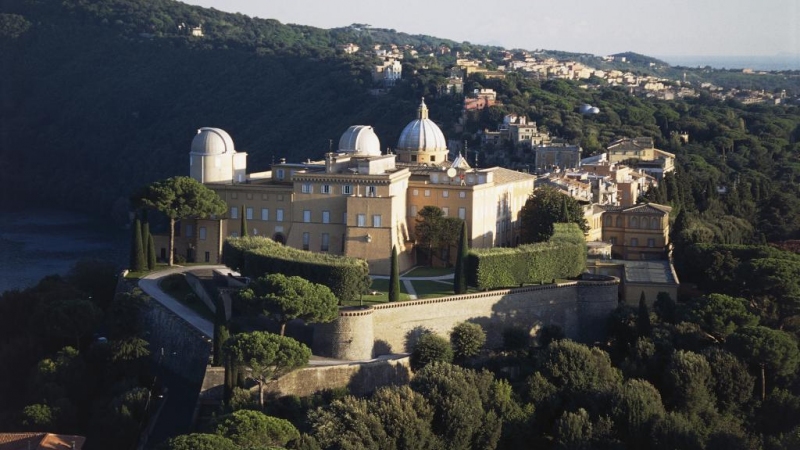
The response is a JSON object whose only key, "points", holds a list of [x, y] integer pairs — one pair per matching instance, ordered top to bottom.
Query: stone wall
{"points": [[197, 287], [579, 308], [185, 351], [359, 379]]}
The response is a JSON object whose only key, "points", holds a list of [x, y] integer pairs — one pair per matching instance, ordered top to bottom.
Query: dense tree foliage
{"points": [[180, 198], [546, 207], [288, 298], [269, 356]]}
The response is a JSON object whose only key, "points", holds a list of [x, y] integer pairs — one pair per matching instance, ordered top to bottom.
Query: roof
{"points": [[502, 175], [643, 208], [656, 272], [40, 441]]}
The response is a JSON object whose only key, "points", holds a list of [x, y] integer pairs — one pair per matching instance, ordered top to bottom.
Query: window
{"points": [[413, 158], [433, 158], [279, 174], [306, 188], [326, 189], [347, 189], [371, 191], [415, 192], [427, 192], [445, 194], [462, 194], [234, 195], [249, 196], [264, 196], [280, 197], [413, 211], [445, 211], [234, 212], [249, 213], [462, 213], [265, 214], [279, 215], [306, 216], [326, 217], [344, 218], [361, 220], [376, 221], [608, 221], [619, 221], [634, 222], [655, 224], [189, 231], [202, 232], [234, 234], [306, 240], [613, 241], [325, 242], [634, 242], [651, 242], [208, 256]]}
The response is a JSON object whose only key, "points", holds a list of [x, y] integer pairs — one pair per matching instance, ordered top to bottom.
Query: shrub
{"points": [[254, 256], [563, 256], [430, 348]]}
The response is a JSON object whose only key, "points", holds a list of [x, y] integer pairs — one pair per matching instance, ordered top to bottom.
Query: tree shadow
{"points": [[413, 335], [381, 347], [372, 376]]}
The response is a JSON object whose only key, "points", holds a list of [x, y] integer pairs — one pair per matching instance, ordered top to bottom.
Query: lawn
{"points": [[429, 272], [176, 286], [382, 287], [432, 289]]}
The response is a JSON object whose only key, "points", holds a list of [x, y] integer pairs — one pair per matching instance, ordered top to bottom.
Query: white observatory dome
{"points": [[360, 140], [212, 141]]}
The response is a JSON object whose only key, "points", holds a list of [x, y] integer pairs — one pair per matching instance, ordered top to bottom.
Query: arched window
{"points": [[608, 220], [619, 221], [634, 222], [645, 222], [655, 224]]}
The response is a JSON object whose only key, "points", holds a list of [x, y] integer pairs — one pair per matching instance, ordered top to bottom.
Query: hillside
{"points": [[101, 97], [98, 98]]}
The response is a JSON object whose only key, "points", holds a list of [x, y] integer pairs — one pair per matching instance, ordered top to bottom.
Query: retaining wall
{"points": [[580, 308]]}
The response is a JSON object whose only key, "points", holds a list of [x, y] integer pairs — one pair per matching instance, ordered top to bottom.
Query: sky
{"points": [[654, 28]]}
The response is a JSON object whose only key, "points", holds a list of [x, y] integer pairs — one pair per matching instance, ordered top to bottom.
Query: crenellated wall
{"points": [[580, 308]]}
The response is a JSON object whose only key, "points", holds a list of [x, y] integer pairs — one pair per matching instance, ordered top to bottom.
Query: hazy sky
{"points": [[655, 28]]}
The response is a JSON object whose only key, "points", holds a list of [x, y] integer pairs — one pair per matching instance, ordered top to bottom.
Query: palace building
{"points": [[356, 201]]}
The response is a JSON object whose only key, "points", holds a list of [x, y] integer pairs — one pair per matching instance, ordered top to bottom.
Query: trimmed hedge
{"points": [[255, 256], [563, 256]]}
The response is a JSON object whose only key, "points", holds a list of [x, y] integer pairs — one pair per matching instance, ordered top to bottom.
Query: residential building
{"points": [[642, 152], [638, 232]]}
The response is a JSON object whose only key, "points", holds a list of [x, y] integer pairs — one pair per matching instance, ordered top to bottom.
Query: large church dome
{"points": [[421, 134], [360, 140], [212, 141], [421, 141]]}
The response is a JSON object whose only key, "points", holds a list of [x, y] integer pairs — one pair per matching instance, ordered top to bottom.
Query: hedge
{"points": [[255, 256], [563, 256]]}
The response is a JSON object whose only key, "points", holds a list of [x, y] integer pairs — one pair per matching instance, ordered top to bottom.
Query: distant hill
{"points": [[98, 98]]}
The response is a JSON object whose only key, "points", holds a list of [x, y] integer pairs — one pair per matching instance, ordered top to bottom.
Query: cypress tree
{"points": [[243, 230], [149, 246], [151, 252], [137, 261], [460, 276], [394, 278], [643, 325], [221, 333]]}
